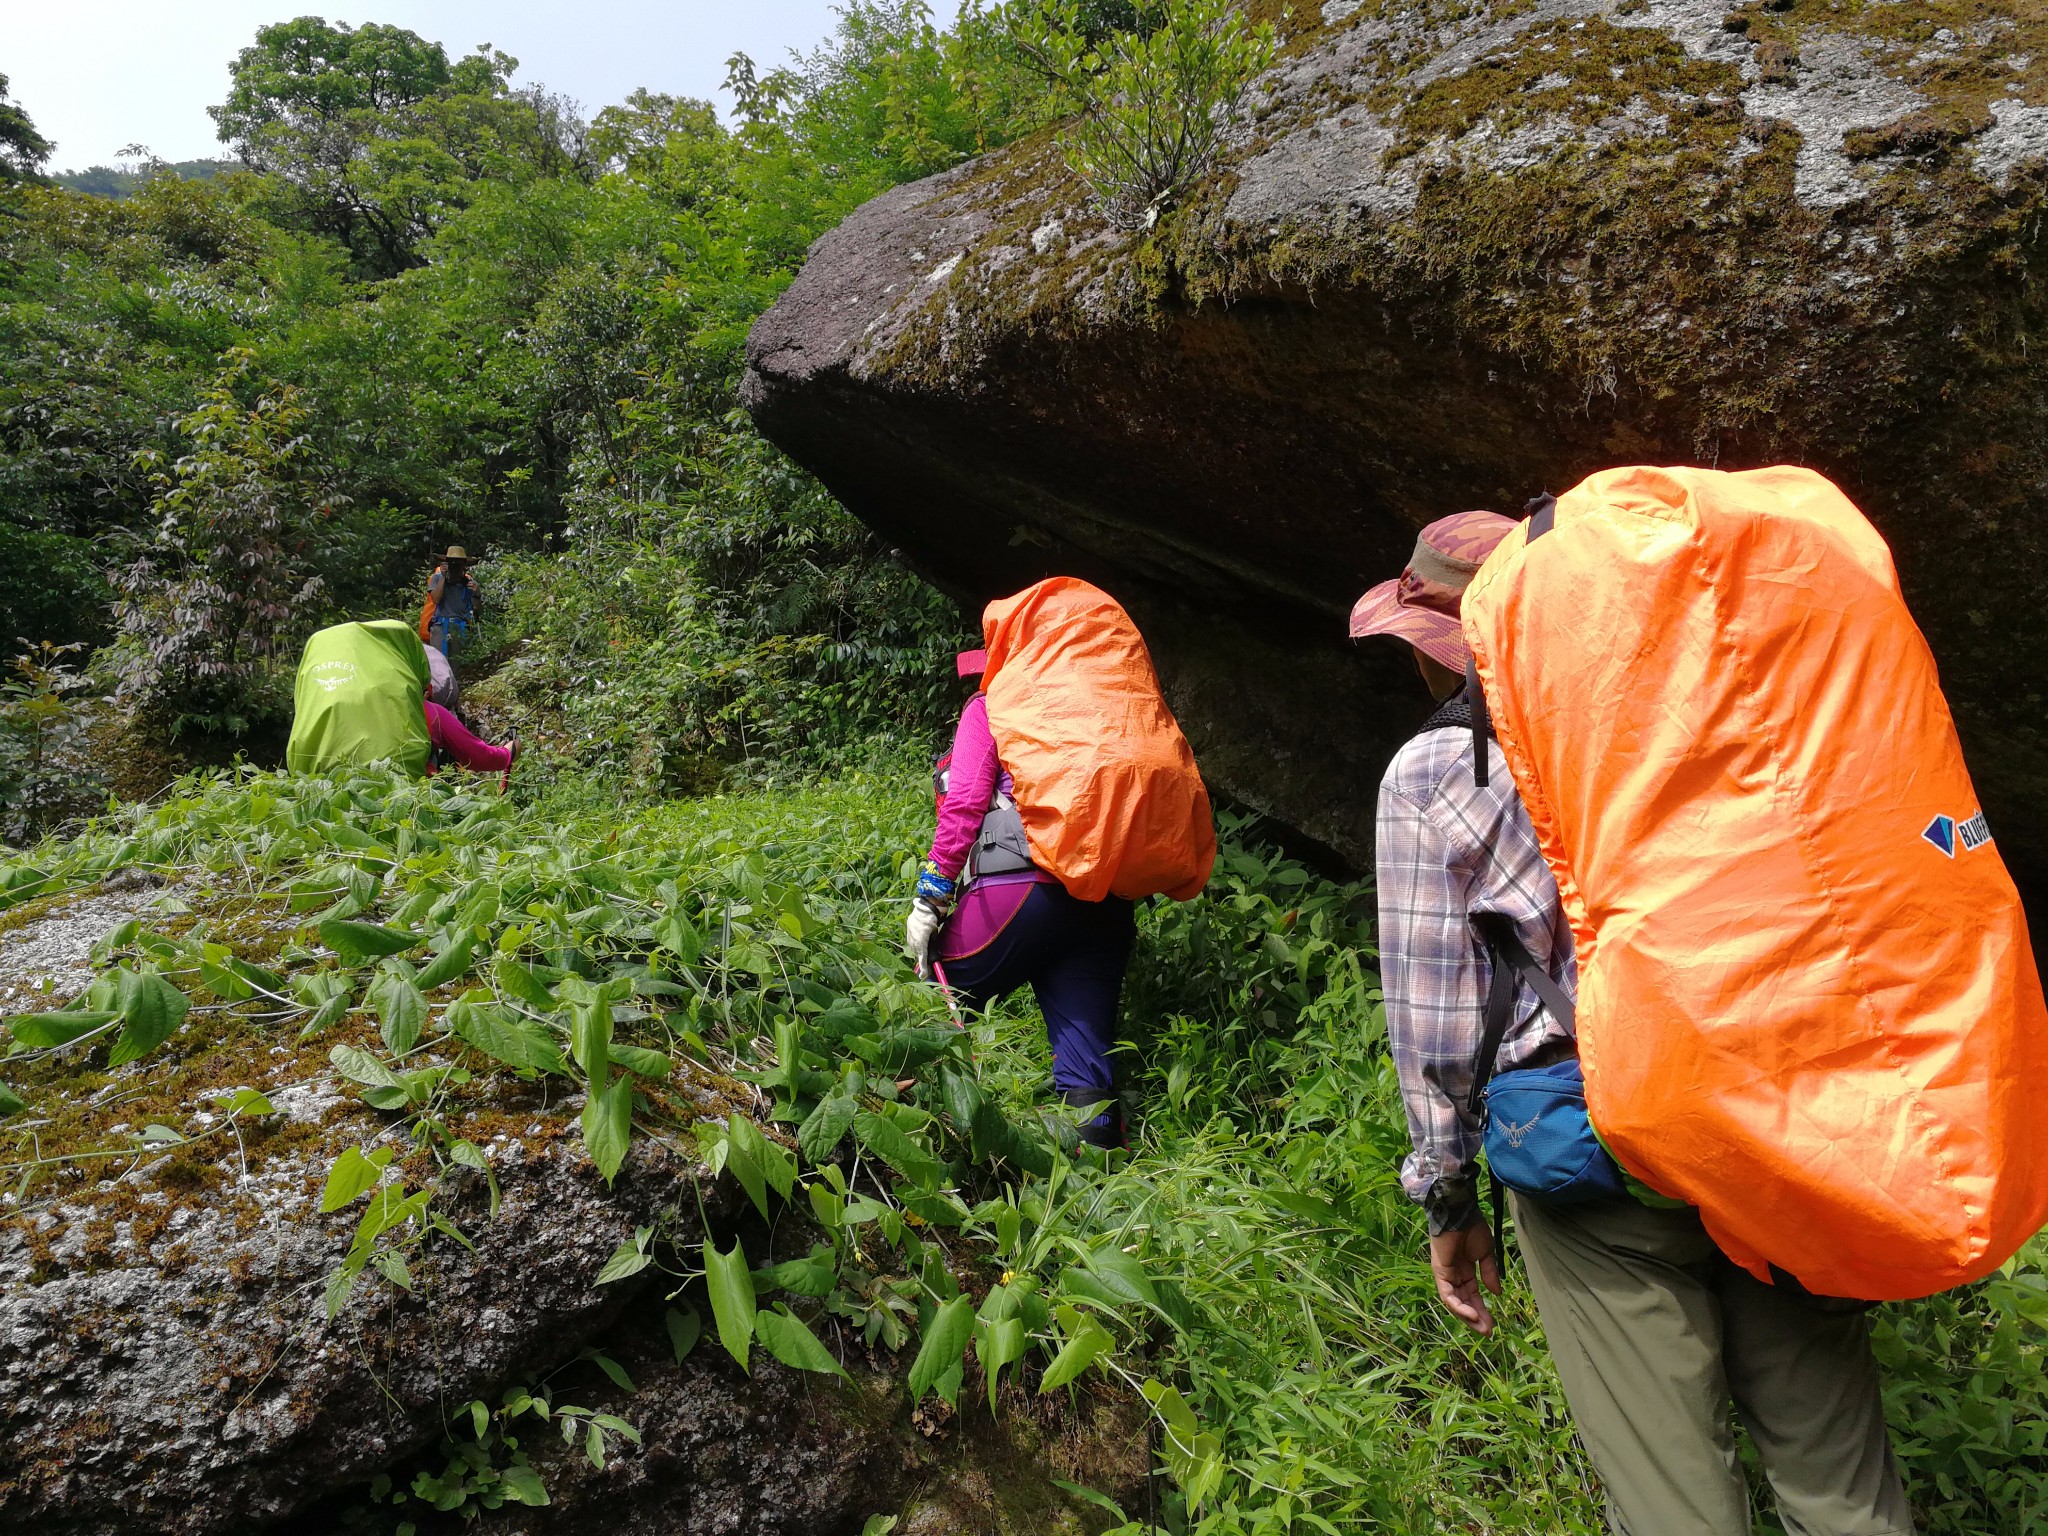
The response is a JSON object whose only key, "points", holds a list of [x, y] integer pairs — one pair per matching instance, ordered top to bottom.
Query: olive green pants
{"points": [[1655, 1335]]}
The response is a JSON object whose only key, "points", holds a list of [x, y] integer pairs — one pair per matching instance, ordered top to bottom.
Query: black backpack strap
{"points": [[1541, 510], [1482, 722], [1511, 958]]}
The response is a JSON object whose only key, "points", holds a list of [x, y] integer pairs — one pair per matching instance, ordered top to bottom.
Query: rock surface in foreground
{"points": [[1455, 256]]}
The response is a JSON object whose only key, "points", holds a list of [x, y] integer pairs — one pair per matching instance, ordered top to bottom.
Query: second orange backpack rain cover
{"points": [[1112, 802], [1807, 1004]]}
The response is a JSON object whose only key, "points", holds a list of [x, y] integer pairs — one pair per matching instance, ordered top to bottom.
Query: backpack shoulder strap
{"points": [[1511, 958]]}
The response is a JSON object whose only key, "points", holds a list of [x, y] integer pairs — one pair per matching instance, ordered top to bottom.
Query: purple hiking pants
{"points": [[1074, 954]]}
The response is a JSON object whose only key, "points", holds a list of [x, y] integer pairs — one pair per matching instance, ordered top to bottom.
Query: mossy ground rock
{"points": [[1457, 254], [167, 1363]]}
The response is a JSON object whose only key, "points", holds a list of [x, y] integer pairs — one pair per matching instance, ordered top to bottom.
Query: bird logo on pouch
{"points": [[331, 675], [1945, 832]]}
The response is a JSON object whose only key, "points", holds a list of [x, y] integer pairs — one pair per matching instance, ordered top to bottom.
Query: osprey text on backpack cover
{"points": [[1807, 1004]]}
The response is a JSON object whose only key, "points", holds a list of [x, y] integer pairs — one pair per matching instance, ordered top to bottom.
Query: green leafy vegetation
{"points": [[1151, 100], [435, 306], [1252, 1272]]}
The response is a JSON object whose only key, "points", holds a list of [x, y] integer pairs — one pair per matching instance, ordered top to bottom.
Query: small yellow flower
{"points": [[1009, 1275]]}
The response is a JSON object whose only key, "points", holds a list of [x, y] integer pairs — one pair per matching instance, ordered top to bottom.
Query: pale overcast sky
{"points": [[99, 74]]}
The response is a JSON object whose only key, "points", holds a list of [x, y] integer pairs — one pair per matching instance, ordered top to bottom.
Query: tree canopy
{"points": [[23, 151]]}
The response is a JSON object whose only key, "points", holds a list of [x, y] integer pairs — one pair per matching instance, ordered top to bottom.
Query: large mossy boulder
{"points": [[1457, 254], [169, 1362]]}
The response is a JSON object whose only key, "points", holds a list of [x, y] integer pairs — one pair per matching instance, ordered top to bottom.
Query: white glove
{"points": [[921, 936]]}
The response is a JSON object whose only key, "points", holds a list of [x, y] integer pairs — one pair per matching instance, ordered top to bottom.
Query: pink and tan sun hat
{"points": [[1421, 606]]}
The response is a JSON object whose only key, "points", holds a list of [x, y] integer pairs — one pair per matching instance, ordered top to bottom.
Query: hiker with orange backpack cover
{"points": [[1024, 881], [1015, 924], [1655, 1332]]}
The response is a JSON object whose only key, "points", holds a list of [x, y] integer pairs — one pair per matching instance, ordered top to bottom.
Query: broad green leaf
{"points": [[675, 934], [356, 942], [113, 943], [449, 964], [218, 975], [515, 980], [151, 1010], [401, 1010], [326, 1016], [46, 1031], [502, 1035], [590, 1039], [640, 1061], [361, 1067], [963, 1100], [246, 1101], [11, 1103], [608, 1126], [825, 1126], [888, 1142], [470, 1155], [741, 1165], [776, 1165], [351, 1174], [827, 1204], [940, 1210], [629, 1258], [392, 1266], [1122, 1274], [813, 1276], [731, 1286], [685, 1328], [791, 1341], [1087, 1341], [945, 1343], [1001, 1343], [613, 1369], [1193, 1456], [521, 1484], [1099, 1500], [878, 1525]]}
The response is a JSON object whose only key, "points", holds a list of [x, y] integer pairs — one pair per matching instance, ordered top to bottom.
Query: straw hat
{"points": [[456, 552]]}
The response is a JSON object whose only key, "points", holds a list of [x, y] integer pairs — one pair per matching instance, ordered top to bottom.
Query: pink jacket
{"points": [[453, 738], [973, 780]]}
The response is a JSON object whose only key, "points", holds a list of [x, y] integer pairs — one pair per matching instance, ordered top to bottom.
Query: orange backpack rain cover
{"points": [[1112, 802], [1807, 1004]]}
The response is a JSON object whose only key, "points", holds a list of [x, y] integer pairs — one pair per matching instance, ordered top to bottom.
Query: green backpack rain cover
{"points": [[358, 699]]}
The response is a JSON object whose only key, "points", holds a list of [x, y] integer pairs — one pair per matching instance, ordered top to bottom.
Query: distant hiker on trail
{"points": [[452, 607], [363, 696], [1025, 880], [1654, 1331]]}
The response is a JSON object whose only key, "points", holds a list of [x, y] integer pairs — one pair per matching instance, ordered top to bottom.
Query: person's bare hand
{"points": [[1462, 1261]]}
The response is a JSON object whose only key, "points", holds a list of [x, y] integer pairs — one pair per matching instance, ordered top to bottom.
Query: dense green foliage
{"points": [[22, 149], [438, 307], [1255, 1256]]}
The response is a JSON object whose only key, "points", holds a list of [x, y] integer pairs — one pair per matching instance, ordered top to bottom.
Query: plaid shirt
{"points": [[1447, 849]]}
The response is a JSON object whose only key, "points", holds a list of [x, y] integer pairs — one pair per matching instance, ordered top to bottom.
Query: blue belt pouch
{"points": [[1539, 1139]]}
